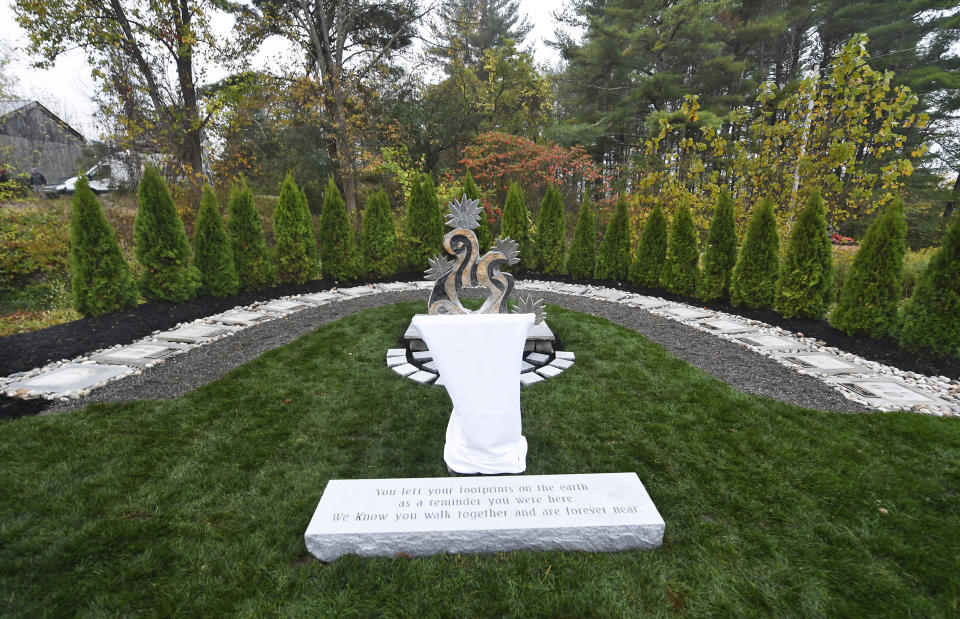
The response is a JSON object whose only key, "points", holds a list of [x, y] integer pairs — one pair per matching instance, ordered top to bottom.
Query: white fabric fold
{"points": [[479, 357]]}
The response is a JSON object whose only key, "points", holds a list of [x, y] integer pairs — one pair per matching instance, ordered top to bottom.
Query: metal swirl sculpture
{"points": [[468, 268]]}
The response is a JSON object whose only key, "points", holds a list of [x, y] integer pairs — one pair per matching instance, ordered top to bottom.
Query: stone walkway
{"points": [[871, 384]]}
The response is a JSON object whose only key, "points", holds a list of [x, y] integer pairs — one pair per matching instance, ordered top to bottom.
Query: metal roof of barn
{"points": [[9, 106]]}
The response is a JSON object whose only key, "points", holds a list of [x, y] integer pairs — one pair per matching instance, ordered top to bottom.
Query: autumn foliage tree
{"points": [[161, 245], [212, 253], [582, 257], [99, 275]]}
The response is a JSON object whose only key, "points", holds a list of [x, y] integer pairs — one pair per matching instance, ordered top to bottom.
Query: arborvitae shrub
{"points": [[424, 224], [516, 225], [551, 232], [484, 236], [378, 239], [161, 244], [296, 245], [583, 249], [338, 251], [652, 253], [721, 253], [212, 254], [251, 257], [613, 260], [680, 269], [100, 277], [754, 280], [805, 288], [872, 291], [930, 323]]}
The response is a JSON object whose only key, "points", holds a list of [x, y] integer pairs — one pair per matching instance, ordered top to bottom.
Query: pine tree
{"points": [[424, 224], [516, 224], [551, 232], [484, 236], [379, 237], [161, 245], [296, 245], [583, 249], [338, 251], [652, 253], [721, 253], [212, 254], [251, 257], [613, 260], [680, 269], [99, 275], [754, 281], [805, 288], [869, 298], [930, 322]]}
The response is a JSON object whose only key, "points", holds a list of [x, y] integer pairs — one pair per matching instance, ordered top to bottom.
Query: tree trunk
{"points": [[345, 157], [952, 202]]}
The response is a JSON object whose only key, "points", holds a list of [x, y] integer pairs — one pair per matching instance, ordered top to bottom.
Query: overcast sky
{"points": [[67, 88]]}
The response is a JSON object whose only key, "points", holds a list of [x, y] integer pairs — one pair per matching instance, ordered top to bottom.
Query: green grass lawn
{"points": [[197, 506]]}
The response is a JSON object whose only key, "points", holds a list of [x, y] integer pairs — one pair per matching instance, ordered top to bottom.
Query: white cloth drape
{"points": [[479, 357]]}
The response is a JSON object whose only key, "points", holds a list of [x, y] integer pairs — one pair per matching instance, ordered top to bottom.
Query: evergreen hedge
{"points": [[424, 224], [516, 225], [551, 232], [484, 236], [378, 238], [161, 245], [296, 245], [652, 253], [721, 253], [212, 254], [251, 257], [339, 257], [581, 260], [613, 260], [680, 268], [99, 275], [754, 280], [805, 288], [871, 293], [930, 322]]}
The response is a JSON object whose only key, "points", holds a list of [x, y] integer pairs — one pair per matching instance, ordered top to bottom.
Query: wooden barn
{"points": [[31, 136]]}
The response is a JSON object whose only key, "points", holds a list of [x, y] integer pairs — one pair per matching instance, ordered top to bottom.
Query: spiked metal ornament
{"points": [[464, 213], [509, 248], [439, 266], [526, 305]]}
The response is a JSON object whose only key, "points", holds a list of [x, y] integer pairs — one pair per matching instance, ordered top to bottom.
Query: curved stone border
{"points": [[869, 383]]}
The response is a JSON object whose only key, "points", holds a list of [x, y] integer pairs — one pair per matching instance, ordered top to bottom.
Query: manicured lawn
{"points": [[197, 506]]}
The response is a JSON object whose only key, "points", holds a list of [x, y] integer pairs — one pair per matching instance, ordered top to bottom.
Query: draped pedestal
{"points": [[479, 356]]}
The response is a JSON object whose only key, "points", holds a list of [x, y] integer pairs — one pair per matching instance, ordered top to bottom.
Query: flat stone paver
{"points": [[192, 334], [140, 353], [68, 378]]}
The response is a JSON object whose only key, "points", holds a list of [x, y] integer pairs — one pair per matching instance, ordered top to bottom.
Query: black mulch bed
{"points": [[25, 351]]}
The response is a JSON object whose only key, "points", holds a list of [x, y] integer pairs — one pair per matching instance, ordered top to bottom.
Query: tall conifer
{"points": [[424, 224], [516, 224], [551, 232], [484, 236], [378, 240], [161, 244], [296, 244], [583, 249], [338, 251], [652, 253], [721, 253], [212, 254], [251, 257], [613, 260], [680, 269], [99, 275], [754, 280], [805, 288], [868, 301]]}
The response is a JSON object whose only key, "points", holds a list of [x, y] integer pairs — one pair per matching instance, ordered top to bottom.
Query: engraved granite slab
{"points": [[357, 291], [609, 294], [320, 298], [646, 302], [283, 306], [687, 313], [240, 317], [724, 325], [192, 334], [769, 343], [140, 353], [822, 363], [888, 392], [602, 512]]}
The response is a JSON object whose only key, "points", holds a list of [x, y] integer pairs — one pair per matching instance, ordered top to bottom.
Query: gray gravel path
{"points": [[745, 370]]}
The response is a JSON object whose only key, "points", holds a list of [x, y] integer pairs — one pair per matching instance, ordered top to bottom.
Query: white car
{"points": [[100, 177]]}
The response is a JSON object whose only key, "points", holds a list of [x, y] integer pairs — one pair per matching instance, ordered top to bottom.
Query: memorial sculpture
{"points": [[478, 353]]}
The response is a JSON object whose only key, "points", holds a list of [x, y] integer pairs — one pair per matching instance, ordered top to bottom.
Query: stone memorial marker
{"points": [[357, 291], [609, 294], [320, 298], [646, 302], [282, 306], [687, 313], [241, 318], [724, 325], [191, 334], [769, 342], [140, 353], [822, 363], [70, 377], [889, 392], [604, 512]]}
